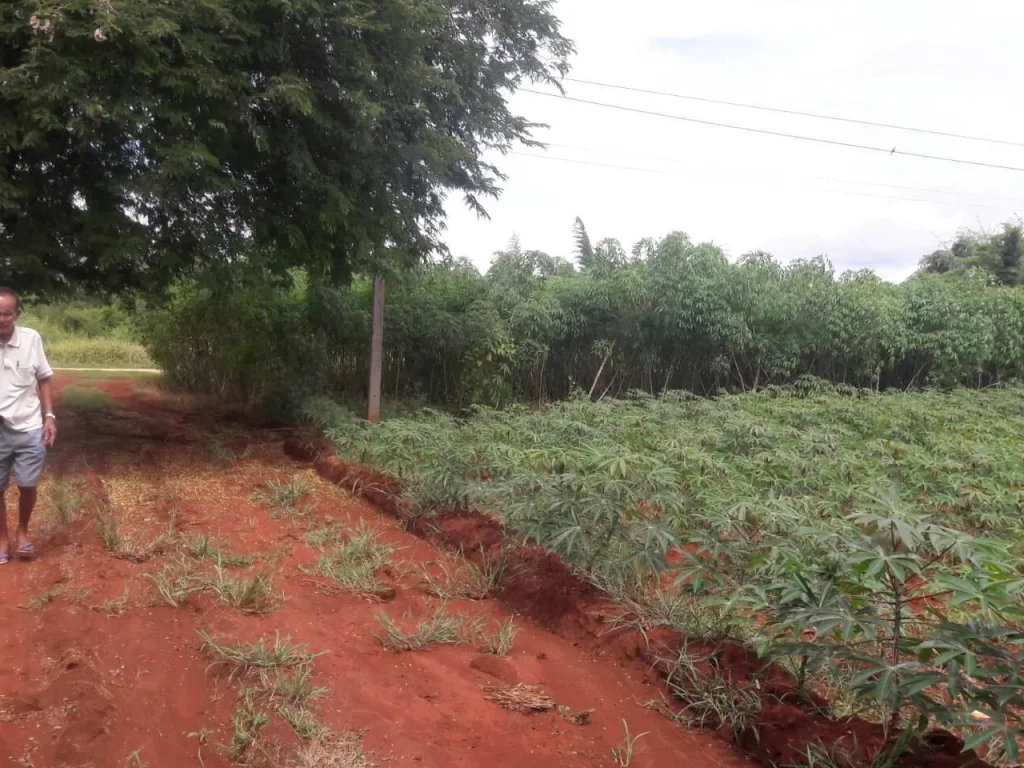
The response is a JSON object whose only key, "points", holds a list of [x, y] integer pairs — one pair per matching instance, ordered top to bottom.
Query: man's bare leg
{"points": [[26, 503], [5, 544]]}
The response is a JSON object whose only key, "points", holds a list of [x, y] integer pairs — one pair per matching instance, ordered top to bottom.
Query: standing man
{"points": [[27, 427]]}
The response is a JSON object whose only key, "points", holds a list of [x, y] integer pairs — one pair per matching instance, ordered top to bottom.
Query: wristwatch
{"points": [[50, 416]]}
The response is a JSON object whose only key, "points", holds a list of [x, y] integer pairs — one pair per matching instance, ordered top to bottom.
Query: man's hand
{"points": [[49, 432]]}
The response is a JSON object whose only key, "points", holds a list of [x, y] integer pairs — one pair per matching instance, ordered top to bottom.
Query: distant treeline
{"points": [[668, 315]]}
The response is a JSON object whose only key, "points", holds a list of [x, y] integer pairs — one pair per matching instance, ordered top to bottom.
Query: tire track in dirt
{"points": [[87, 684]]}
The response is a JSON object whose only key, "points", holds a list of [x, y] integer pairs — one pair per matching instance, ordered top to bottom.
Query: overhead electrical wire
{"points": [[796, 112], [782, 134], [934, 190], [828, 191]]}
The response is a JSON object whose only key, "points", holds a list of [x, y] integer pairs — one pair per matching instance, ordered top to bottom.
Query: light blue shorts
{"points": [[23, 452]]}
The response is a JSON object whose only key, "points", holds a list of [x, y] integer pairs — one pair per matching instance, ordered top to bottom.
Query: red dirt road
{"points": [[93, 678]]}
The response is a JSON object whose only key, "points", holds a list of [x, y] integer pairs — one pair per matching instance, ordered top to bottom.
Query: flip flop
{"points": [[26, 550], [5, 559]]}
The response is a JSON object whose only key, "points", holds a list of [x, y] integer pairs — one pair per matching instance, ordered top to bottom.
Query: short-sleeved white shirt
{"points": [[24, 366]]}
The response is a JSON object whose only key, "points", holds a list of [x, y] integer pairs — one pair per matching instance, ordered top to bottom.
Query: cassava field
{"points": [[866, 546], [808, 576]]}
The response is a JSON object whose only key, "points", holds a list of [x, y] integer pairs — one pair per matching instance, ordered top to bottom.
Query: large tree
{"points": [[139, 138]]}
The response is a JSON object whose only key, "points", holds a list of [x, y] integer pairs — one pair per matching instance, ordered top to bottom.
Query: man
{"points": [[27, 427]]}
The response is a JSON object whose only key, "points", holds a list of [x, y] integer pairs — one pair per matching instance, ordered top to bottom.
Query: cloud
{"points": [[711, 48], [635, 176], [889, 249]]}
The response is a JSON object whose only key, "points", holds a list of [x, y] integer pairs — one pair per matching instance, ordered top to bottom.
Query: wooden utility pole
{"points": [[376, 349]]}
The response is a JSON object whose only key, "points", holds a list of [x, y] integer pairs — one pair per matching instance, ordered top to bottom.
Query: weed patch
{"points": [[282, 497], [67, 498], [353, 564], [469, 581], [250, 594], [45, 598], [438, 629]]}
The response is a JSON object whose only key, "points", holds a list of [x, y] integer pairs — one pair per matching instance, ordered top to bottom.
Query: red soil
{"points": [[86, 685]]}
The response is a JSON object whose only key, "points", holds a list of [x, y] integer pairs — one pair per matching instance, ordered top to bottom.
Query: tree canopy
{"points": [[139, 138], [1001, 254]]}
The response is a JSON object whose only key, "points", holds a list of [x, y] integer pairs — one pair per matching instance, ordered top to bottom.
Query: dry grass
{"points": [[66, 498], [126, 547], [45, 598], [117, 606], [520, 698], [332, 750]]}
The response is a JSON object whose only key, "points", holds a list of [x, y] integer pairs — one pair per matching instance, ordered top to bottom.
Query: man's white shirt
{"points": [[24, 366]]}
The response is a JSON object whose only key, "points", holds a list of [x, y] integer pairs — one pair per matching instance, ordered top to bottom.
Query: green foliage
{"points": [[139, 138], [1000, 254], [673, 316], [77, 320], [86, 334], [97, 353], [868, 539]]}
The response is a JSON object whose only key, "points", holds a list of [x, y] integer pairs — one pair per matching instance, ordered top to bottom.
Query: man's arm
{"points": [[46, 400]]}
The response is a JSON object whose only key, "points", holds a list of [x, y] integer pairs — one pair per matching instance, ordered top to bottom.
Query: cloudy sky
{"points": [[942, 64]]}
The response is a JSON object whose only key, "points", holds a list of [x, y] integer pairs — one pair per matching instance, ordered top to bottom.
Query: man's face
{"points": [[8, 315]]}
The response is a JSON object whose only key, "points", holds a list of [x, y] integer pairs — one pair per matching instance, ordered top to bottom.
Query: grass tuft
{"points": [[282, 497], [67, 499], [321, 537], [200, 546], [124, 547], [353, 564], [469, 581], [175, 583], [251, 594], [45, 598], [117, 605], [438, 629], [502, 641], [258, 655], [710, 701], [247, 723], [623, 754]]}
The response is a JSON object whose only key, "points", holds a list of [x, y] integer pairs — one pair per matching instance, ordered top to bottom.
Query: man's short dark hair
{"points": [[13, 295]]}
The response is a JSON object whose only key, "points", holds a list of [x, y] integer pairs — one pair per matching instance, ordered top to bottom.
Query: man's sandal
{"points": [[26, 551]]}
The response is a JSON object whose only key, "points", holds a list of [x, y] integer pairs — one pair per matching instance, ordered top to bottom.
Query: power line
{"points": [[781, 111], [818, 140], [934, 190], [828, 191]]}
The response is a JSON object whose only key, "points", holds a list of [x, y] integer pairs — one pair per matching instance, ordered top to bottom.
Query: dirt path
{"points": [[99, 670]]}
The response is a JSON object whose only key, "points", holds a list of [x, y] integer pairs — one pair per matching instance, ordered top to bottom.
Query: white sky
{"points": [[940, 64]]}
